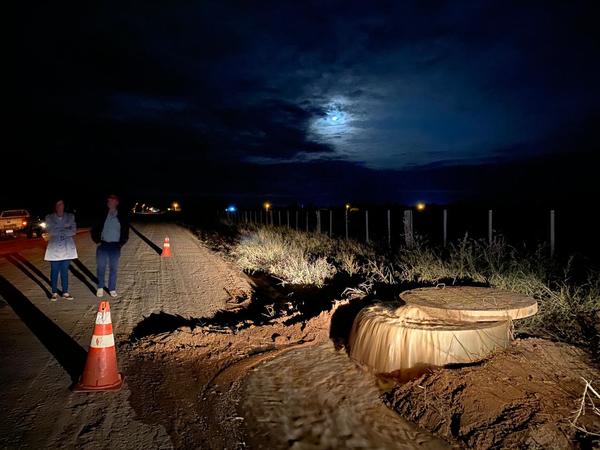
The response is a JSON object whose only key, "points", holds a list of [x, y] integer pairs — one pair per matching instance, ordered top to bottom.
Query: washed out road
{"points": [[43, 344]]}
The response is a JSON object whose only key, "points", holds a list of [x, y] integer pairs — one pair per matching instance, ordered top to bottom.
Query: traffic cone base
{"points": [[100, 372], [110, 387]]}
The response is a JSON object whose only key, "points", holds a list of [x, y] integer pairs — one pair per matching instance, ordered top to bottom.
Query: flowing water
{"points": [[404, 340], [317, 397]]}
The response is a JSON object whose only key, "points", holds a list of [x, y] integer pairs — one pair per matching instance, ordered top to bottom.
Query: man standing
{"points": [[110, 232]]}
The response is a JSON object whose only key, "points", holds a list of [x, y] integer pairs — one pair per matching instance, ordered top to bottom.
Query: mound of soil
{"points": [[188, 380], [524, 397]]}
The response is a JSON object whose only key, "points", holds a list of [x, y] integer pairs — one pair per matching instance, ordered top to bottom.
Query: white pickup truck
{"points": [[14, 222]]}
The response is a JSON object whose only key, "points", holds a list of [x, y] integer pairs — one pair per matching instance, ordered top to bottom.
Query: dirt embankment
{"points": [[196, 374], [521, 398]]}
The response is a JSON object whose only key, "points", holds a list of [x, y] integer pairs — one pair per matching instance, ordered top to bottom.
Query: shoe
{"points": [[99, 292], [113, 294], [68, 296], [54, 297]]}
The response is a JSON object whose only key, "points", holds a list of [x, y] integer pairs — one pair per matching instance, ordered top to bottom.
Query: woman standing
{"points": [[61, 248]]}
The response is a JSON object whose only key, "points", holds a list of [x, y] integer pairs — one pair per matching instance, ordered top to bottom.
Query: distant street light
{"points": [[420, 206], [267, 207]]}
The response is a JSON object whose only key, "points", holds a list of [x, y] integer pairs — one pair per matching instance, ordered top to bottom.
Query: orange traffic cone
{"points": [[166, 253], [101, 372]]}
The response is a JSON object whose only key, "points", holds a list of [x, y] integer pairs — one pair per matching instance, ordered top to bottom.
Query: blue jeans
{"points": [[108, 253], [59, 268]]}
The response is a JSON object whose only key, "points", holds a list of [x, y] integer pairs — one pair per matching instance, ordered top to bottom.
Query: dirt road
{"points": [[43, 344]]}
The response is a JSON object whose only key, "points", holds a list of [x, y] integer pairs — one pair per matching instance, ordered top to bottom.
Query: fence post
{"points": [[287, 216], [279, 217], [296, 220], [307, 221], [319, 221], [330, 223], [346, 223], [367, 225], [445, 227], [389, 228], [408, 228], [490, 229], [552, 233]]}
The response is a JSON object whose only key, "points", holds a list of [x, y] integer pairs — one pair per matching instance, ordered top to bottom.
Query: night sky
{"points": [[311, 102]]}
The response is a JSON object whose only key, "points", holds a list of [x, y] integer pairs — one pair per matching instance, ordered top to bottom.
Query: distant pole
{"points": [[287, 214], [279, 217], [296, 220], [307, 221], [319, 221], [330, 223], [346, 223], [367, 226], [445, 227], [389, 228], [408, 228], [490, 229], [552, 233]]}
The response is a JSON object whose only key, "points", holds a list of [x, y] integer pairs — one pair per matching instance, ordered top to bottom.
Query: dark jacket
{"points": [[98, 226]]}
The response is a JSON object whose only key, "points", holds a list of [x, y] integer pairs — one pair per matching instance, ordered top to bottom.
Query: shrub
{"points": [[567, 312]]}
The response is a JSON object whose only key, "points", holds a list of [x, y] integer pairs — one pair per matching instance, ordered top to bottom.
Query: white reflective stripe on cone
{"points": [[103, 318], [103, 341]]}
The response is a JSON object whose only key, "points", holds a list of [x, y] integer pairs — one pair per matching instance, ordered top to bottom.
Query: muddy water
{"points": [[406, 340], [319, 398]]}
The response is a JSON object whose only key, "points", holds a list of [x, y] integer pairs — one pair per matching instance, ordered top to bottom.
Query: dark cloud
{"points": [[319, 100]]}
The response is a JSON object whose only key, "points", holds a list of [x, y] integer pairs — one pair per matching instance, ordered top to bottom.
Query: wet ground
{"points": [[319, 398]]}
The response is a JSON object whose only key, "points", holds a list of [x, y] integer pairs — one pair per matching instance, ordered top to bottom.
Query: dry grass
{"points": [[296, 257], [567, 311]]}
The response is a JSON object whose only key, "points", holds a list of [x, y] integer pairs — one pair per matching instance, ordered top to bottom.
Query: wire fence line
{"points": [[392, 226]]}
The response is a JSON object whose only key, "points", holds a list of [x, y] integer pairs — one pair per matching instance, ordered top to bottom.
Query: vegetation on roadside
{"points": [[299, 258], [568, 311]]}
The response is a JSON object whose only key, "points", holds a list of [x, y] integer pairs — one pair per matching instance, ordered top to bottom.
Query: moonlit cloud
{"points": [[268, 92]]}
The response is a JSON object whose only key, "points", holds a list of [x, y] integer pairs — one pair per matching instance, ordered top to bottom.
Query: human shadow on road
{"points": [[152, 245], [31, 267], [31, 271], [87, 272], [81, 277], [69, 354]]}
